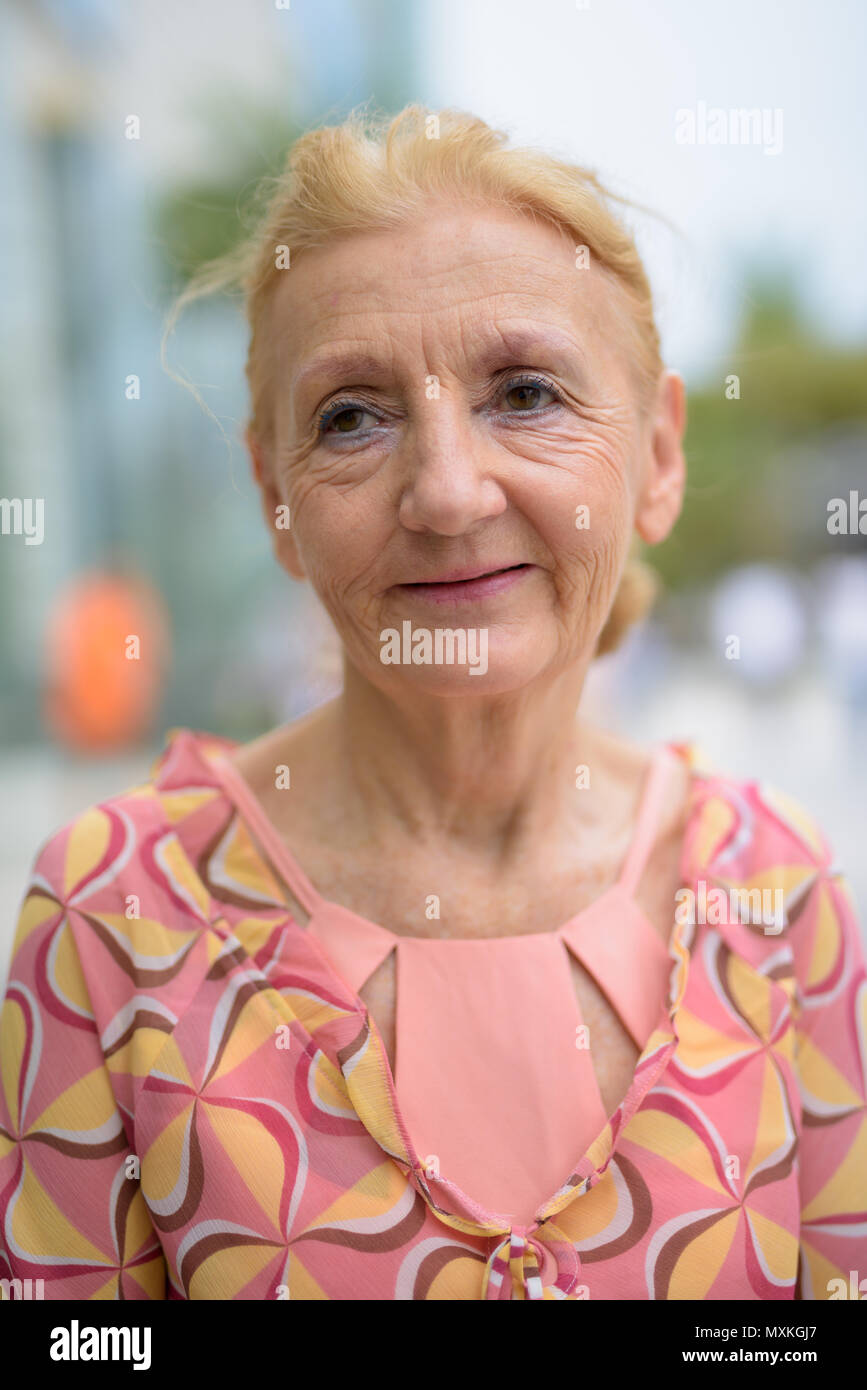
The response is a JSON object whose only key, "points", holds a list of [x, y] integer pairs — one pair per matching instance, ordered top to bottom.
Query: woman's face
{"points": [[453, 400]]}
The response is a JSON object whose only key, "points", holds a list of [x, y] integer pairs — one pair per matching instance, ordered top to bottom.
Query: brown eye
{"points": [[523, 397], [345, 417], [346, 420]]}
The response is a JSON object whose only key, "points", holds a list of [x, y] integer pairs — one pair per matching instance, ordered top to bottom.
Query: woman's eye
{"points": [[525, 395], [522, 398], [343, 421]]}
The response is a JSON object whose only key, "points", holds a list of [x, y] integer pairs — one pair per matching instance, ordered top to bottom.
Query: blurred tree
{"points": [[200, 220], [752, 459]]}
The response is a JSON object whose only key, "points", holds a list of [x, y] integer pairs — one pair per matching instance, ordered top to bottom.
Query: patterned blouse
{"points": [[195, 1106]]}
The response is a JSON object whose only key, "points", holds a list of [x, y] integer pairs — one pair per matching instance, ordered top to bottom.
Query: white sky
{"points": [[595, 80], [602, 85]]}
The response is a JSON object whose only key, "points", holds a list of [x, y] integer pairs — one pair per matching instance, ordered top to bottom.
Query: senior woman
{"points": [[442, 992]]}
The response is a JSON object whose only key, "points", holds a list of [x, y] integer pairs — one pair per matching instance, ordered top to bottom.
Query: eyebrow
{"points": [[526, 346], [511, 347], [330, 367]]}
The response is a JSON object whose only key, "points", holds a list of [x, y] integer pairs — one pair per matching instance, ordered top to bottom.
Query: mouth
{"points": [[466, 585]]}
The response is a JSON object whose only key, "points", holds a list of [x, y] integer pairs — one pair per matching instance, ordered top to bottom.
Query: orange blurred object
{"points": [[107, 653]]}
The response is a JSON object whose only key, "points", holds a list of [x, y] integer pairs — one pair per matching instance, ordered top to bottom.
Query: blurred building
{"points": [[132, 471], [135, 475]]}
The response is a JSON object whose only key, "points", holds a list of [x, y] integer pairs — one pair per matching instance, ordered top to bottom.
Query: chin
{"points": [[496, 666]]}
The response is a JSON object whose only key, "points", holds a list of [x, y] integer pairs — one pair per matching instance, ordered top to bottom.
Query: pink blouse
{"points": [[494, 1070], [195, 1103]]}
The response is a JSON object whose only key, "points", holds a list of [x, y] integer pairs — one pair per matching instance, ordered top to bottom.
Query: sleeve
{"points": [[831, 1059], [73, 1221]]}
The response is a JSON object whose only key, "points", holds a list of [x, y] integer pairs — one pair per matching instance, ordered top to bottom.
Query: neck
{"points": [[489, 772]]}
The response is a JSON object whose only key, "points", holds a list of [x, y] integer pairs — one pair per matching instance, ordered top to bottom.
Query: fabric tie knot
{"points": [[525, 1267]]}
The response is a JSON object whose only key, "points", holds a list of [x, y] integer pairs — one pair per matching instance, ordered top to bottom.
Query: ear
{"points": [[664, 477], [274, 508]]}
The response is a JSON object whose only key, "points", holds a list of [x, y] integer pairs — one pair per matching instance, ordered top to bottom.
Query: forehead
{"points": [[457, 267]]}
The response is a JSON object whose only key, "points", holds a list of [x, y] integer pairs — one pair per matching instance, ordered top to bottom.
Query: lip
{"points": [[464, 586]]}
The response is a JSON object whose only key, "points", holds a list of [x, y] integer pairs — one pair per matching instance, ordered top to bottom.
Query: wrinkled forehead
{"points": [[460, 284]]}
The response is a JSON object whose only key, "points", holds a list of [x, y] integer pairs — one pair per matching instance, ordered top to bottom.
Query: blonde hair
{"points": [[376, 172]]}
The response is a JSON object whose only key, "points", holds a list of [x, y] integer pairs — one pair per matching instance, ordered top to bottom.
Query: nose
{"points": [[450, 482]]}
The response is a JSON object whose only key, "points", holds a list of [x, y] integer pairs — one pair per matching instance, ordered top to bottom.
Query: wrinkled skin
{"points": [[421, 486], [423, 779]]}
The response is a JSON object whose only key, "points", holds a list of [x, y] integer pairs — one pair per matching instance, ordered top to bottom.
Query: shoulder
{"points": [[741, 825], [120, 841], [775, 875], [117, 886]]}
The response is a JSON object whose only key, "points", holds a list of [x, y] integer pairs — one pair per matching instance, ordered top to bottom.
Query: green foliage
{"points": [[198, 221], [745, 478]]}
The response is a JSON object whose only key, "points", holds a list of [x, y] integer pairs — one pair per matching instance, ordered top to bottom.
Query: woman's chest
{"points": [[479, 910], [613, 1052], [262, 1182]]}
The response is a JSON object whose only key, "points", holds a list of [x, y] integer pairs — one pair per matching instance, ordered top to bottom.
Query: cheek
{"points": [[583, 508], [341, 536]]}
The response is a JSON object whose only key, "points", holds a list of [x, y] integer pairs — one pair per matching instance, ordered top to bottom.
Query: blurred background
{"points": [[132, 136]]}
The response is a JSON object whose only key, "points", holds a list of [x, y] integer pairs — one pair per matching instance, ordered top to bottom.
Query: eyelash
{"points": [[337, 407]]}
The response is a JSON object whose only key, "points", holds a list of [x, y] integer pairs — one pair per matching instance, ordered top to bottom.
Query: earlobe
{"points": [[674, 389], [661, 498], [286, 551]]}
